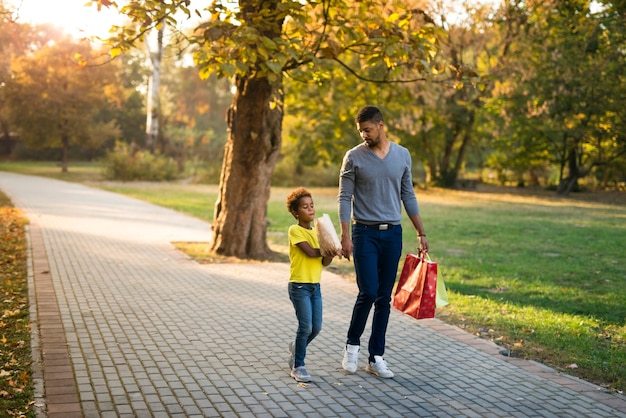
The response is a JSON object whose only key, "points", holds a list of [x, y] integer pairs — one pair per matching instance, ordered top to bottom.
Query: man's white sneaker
{"points": [[350, 358], [379, 368]]}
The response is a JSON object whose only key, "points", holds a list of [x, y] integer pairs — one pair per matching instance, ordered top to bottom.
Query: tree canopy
{"points": [[53, 97]]}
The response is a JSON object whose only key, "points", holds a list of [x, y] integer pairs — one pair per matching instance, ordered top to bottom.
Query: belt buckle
{"points": [[383, 227]]}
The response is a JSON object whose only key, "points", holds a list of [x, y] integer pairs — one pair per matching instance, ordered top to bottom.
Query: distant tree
{"points": [[7, 39], [16, 39], [53, 97], [561, 102], [129, 110], [194, 117], [440, 122]]}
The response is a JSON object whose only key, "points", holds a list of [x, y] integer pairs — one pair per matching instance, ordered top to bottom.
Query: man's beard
{"points": [[373, 141]]}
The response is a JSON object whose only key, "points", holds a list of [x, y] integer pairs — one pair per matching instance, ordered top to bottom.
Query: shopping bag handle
{"points": [[423, 254]]}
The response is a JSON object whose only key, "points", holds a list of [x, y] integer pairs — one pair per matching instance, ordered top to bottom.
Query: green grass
{"points": [[77, 171], [191, 199], [543, 277]]}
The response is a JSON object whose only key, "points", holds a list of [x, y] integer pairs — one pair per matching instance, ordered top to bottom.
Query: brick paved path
{"points": [[126, 326]]}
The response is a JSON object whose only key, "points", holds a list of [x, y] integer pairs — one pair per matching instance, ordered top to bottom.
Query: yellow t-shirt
{"points": [[303, 269]]}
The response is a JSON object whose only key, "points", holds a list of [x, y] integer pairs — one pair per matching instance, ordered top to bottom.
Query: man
{"points": [[375, 181]]}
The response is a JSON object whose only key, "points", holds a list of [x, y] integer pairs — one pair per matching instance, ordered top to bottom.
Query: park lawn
{"points": [[77, 171], [543, 277]]}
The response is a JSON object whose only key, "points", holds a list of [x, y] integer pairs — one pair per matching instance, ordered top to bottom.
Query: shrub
{"points": [[126, 164], [288, 174]]}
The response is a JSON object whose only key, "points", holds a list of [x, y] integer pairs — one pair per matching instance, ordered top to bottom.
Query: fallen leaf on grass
{"points": [[24, 376]]}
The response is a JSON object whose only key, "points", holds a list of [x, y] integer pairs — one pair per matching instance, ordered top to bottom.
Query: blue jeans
{"points": [[376, 256], [307, 301]]}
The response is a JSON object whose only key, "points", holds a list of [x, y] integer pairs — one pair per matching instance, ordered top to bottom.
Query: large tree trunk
{"points": [[251, 153]]}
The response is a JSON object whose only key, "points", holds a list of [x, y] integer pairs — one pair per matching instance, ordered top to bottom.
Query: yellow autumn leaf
{"points": [[24, 377]]}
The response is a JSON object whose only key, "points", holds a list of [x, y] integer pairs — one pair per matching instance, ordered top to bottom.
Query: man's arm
{"points": [[346, 192], [421, 233], [346, 241]]}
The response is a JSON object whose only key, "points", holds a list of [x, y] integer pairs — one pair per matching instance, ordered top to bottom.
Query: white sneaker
{"points": [[350, 358], [379, 368]]}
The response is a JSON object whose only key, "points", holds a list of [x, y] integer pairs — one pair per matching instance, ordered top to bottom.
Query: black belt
{"points": [[380, 227]]}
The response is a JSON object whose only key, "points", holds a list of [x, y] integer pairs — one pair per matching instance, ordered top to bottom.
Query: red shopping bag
{"points": [[417, 288]]}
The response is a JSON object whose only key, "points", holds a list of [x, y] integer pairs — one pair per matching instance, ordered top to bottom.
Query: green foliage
{"points": [[265, 39], [58, 92], [53, 95], [560, 100], [535, 110], [130, 115], [434, 118], [194, 123], [126, 164], [289, 173]]}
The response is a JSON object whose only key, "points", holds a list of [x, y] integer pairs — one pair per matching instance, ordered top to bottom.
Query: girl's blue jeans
{"points": [[376, 256], [307, 301]]}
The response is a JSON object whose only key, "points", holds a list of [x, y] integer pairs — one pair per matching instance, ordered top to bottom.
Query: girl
{"points": [[306, 262]]}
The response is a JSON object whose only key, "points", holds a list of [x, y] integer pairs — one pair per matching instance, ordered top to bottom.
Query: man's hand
{"points": [[423, 243], [346, 246]]}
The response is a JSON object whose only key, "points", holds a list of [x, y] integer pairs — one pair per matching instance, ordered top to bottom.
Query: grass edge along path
{"points": [[16, 375]]}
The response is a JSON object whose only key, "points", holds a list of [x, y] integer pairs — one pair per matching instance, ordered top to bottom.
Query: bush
{"points": [[125, 164], [204, 172], [286, 174]]}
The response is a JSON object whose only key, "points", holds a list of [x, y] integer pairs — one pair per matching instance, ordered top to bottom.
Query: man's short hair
{"points": [[369, 113]]}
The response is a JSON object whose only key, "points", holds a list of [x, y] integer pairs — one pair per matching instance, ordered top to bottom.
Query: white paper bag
{"points": [[327, 235]]}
